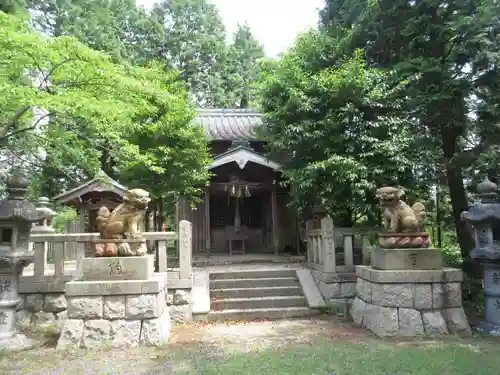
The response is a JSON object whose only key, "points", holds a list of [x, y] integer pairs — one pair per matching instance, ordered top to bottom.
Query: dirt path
{"points": [[188, 345]]}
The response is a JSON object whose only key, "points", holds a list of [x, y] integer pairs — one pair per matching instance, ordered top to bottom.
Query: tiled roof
{"points": [[229, 124], [100, 182]]}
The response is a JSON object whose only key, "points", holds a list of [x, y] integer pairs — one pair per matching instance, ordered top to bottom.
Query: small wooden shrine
{"points": [[87, 198]]}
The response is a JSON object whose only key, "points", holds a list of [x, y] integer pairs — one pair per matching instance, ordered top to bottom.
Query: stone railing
{"points": [[322, 239], [333, 267], [47, 277], [42, 284]]}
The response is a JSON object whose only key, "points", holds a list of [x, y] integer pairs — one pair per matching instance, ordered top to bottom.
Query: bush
{"points": [[452, 257]]}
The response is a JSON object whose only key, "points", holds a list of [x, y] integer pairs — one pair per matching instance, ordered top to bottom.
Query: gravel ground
{"points": [[189, 344]]}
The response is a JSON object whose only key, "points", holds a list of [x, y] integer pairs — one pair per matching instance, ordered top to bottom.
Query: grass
{"points": [[335, 350], [350, 358]]}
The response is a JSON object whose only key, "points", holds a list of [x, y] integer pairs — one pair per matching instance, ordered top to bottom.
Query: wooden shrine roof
{"points": [[229, 124], [241, 155], [101, 183]]}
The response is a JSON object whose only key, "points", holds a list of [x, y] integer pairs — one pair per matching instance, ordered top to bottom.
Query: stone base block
{"points": [[406, 259], [118, 268], [444, 275], [155, 284], [334, 285], [413, 289], [337, 290], [118, 299], [409, 303], [181, 313], [408, 322], [488, 328], [98, 333]]}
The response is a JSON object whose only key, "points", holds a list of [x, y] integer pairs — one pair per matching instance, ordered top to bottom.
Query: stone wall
{"points": [[337, 289], [409, 303], [180, 304], [43, 309]]}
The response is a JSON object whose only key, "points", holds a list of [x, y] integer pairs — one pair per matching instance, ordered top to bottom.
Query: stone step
{"points": [[252, 274], [253, 283], [256, 292], [258, 303], [256, 314]]}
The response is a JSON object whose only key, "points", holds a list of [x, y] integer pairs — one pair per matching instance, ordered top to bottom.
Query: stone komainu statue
{"points": [[398, 216], [124, 222]]}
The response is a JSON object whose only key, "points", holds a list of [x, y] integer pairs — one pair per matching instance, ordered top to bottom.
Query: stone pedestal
{"points": [[406, 259], [118, 268], [10, 269], [491, 281], [409, 302], [119, 309]]}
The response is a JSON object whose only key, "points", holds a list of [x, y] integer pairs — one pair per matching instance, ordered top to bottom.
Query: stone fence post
{"points": [[44, 226], [328, 245], [185, 249]]}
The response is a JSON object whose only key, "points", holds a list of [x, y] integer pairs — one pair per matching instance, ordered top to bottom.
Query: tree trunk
{"points": [[458, 197], [159, 215]]}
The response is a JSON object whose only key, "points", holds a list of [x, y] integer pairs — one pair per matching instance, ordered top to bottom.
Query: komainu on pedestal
{"points": [[404, 224], [120, 230], [406, 291], [118, 300]]}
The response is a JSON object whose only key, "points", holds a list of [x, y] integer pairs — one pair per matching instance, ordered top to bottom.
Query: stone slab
{"points": [[406, 259], [118, 268], [339, 269], [444, 275], [334, 277], [176, 283], [44, 284], [155, 284], [310, 289], [201, 292], [488, 328], [17, 343]]}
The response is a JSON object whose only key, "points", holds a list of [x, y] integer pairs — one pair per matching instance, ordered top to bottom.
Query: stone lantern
{"points": [[318, 212], [16, 219], [485, 219], [45, 224]]}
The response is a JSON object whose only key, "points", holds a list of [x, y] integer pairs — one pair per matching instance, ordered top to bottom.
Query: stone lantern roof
{"points": [[15, 207], [489, 207]]}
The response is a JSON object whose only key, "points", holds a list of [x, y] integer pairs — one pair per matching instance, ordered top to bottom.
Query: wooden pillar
{"points": [[274, 216], [207, 220], [82, 227]]}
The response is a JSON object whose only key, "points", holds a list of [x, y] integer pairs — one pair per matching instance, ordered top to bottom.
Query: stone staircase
{"points": [[256, 294]]}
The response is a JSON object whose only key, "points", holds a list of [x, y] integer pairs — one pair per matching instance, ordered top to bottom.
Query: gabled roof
{"points": [[229, 124], [242, 155], [100, 182]]}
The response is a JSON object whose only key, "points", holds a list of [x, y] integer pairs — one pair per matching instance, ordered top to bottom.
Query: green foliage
{"points": [[12, 6], [117, 27], [187, 35], [195, 44], [447, 52], [245, 55], [76, 105], [334, 131], [64, 215], [452, 257]]}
